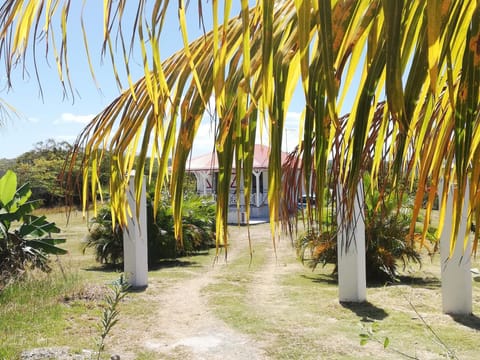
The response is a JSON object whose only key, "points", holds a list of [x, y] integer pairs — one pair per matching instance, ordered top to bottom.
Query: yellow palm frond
{"points": [[422, 58]]}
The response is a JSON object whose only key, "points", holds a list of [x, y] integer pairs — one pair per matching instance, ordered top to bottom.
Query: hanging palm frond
{"points": [[421, 58]]}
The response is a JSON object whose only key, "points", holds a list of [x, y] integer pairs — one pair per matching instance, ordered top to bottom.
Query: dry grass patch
{"points": [[268, 308]]}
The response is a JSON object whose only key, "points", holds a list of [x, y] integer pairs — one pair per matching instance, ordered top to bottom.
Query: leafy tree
{"points": [[423, 55], [6, 164], [41, 168], [43, 175]]}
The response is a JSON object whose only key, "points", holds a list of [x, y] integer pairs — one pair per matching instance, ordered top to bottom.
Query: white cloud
{"points": [[73, 118], [33, 120]]}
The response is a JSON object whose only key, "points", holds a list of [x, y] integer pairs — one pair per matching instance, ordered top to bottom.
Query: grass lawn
{"points": [[272, 303]]}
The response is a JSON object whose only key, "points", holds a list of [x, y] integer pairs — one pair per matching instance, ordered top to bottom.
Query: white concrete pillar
{"points": [[204, 176], [201, 178], [257, 184], [135, 239], [456, 274], [352, 281]]}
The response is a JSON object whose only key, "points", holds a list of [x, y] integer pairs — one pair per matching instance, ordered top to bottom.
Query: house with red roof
{"points": [[205, 169]]}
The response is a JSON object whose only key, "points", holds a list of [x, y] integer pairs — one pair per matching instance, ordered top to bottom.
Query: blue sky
{"points": [[63, 119]]}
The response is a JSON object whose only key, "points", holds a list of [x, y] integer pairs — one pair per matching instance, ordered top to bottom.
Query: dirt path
{"points": [[275, 309], [183, 327], [190, 330]]}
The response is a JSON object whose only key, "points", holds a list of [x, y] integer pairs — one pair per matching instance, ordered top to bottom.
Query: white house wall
{"points": [[206, 186]]}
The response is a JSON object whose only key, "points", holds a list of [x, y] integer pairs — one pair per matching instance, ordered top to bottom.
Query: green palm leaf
{"points": [[422, 58]]}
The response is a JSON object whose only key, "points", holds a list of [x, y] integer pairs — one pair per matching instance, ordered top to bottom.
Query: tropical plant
{"points": [[422, 57], [198, 226], [387, 227], [106, 236], [25, 239], [110, 314]]}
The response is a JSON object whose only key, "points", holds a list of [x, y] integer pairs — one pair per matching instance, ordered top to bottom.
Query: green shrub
{"points": [[198, 223], [387, 225], [198, 232], [104, 238], [387, 245]]}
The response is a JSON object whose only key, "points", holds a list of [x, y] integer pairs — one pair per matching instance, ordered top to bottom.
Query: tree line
{"points": [[42, 168]]}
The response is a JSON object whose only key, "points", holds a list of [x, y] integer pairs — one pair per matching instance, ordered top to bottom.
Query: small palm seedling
{"points": [[110, 313]]}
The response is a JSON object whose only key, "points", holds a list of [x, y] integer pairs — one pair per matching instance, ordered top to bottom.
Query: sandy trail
{"points": [[183, 327]]}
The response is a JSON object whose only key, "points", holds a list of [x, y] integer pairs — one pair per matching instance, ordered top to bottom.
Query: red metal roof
{"points": [[209, 161]]}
